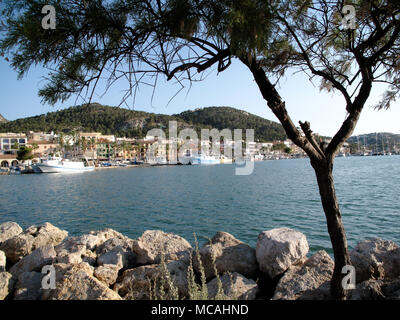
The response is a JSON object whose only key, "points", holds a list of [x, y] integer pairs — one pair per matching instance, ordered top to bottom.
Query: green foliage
{"points": [[98, 39], [226, 117], [130, 123], [279, 146], [287, 150], [24, 153], [163, 288]]}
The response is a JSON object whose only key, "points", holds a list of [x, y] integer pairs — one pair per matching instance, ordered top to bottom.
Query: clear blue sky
{"points": [[234, 87]]}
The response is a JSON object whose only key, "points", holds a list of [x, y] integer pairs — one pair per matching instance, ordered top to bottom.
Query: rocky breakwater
{"points": [[106, 265]]}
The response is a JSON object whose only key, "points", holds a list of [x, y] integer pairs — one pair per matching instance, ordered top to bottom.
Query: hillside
{"points": [[227, 117], [2, 119], [131, 123], [381, 141]]}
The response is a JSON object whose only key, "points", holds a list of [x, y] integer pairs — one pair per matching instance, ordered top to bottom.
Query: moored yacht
{"points": [[58, 164]]}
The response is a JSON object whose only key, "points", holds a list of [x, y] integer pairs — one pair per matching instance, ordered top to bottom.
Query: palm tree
{"points": [[61, 141], [83, 145]]}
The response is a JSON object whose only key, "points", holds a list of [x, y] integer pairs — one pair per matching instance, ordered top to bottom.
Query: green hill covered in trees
{"points": [[227, 117], [131, 123], [377, 142]]}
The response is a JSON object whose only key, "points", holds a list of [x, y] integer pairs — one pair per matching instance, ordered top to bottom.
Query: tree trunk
{"points": [[323, 170]]}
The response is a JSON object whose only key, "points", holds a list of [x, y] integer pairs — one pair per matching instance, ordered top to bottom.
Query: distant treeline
{"points": [[130, 123]]}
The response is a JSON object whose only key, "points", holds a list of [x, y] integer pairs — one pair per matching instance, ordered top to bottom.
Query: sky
{"points": [[234, 87]]}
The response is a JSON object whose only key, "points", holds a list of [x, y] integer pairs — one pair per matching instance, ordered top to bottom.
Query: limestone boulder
{"points": [[9, 230], [46, 234], [106, 234], [32, 238], [124, 243], [153, 243], [17, 247], [278, 249], [117, 252], [228, 254], [89, 257], [70, 258], [376, 259], [2, 261], [35, 261], [107, 273], [300, 282], [139, 283], [6, 284], [78, 284], [29, 286], [234, 286], [391, 289], [367, 290]]}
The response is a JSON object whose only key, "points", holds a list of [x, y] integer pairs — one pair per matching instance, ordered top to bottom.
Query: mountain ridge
{"points": [[134, 123]]}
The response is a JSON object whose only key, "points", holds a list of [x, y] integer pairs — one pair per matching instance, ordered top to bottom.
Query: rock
{"points": [[9, 230], [46, 234], [106, 234], [32, 238], [90, 241], [153, 243], [110, 244], [70, 245], [17, 247], [278, 249], [117, 252], [229, 254], [90, 257], [114, 257], [71, 258], [376, 259], [2, 261], [35, 261], [62, 268], [107, 273], [299, 281], [138, 283], [6, 284], [78, 284], [28, 286], [235, 286], [391, 289], [367, 290]]}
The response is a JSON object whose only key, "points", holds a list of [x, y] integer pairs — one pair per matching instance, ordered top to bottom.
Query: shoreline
{"points": [[107, 265]]}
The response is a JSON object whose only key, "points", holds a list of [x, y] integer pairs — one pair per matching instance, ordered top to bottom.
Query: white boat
{"points": [[205, 160], [208, 160], [57, 164]]}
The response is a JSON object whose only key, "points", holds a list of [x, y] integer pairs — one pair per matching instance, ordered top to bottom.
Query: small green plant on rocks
{"points": [[163, 287]]}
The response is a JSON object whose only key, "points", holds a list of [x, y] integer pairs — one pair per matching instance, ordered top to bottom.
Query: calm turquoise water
{"points": [[207, 199]]}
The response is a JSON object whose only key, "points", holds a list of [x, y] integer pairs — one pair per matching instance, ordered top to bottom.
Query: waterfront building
{"points": [[12, 141], [9, 145]]}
